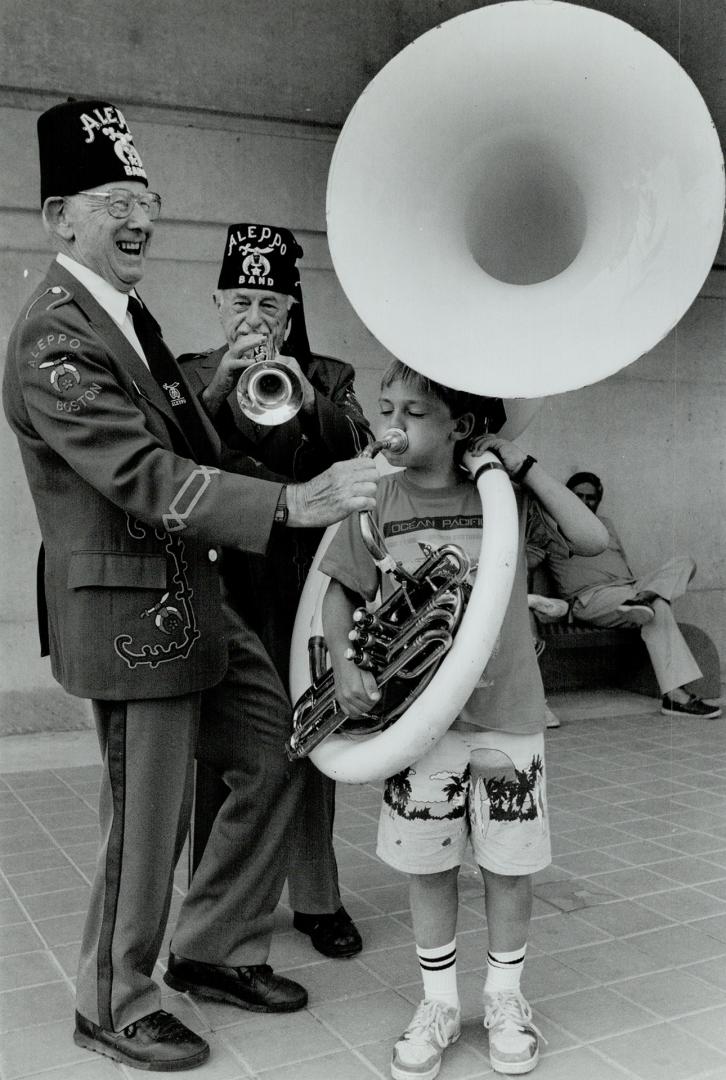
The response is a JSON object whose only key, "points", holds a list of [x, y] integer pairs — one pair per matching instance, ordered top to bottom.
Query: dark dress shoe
{"points": [[693, 707], [332, 935], [256, 987], [158, 1041]]}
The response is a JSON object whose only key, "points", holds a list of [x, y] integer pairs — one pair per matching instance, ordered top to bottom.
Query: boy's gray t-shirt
{"points": [[509, 696]]}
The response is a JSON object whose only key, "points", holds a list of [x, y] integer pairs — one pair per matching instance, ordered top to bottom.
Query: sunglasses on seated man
{"points": [[121, 203]]}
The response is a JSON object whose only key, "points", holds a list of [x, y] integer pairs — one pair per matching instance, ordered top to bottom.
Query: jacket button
{"points": [[213, 556]]}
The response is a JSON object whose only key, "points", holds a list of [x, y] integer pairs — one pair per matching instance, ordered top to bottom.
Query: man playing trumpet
{"points": [[260, 306]]}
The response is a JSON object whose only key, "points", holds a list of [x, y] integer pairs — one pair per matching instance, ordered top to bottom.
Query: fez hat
{"points": [[83, 144], [260, 257], [265, 257]]}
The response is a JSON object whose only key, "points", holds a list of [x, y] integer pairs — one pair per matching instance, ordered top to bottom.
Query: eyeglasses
{"points": [[121, 203]]}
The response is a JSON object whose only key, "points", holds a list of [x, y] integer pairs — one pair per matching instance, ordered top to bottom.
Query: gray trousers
{"points": [[673, 662], [145, 804], [313, 874], [313, 885]]}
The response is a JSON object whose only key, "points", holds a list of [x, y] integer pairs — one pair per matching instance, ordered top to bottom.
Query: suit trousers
{"points": [[673, 662], [147, 789], [144, 808], [313, 870], [313, 875], [312, 881], [228, 913]]}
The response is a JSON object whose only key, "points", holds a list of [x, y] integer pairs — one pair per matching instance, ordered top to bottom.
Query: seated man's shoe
{"points": [[551, 607], [636, 612], [693, 707], [332, 935], [255, 987], [157, 1042]]}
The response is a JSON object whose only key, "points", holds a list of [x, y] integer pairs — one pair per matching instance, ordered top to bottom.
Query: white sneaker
{"points": [[513, 1037], [418, 1052]]}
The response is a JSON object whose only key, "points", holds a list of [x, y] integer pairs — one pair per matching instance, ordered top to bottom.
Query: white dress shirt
{"points": [[115, 303]]}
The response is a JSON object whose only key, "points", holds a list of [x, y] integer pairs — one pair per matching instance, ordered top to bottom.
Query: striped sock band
{"points": [[438, 970], [504, 970]]}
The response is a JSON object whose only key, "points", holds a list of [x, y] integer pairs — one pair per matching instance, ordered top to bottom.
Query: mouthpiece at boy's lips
{"points": [[394, 440]]}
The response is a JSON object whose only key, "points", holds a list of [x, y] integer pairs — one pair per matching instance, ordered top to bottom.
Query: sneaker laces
{"points": [[510, 1013], [429, 1025]]}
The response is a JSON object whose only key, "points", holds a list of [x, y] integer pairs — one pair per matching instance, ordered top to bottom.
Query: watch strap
{"points": [[523, 469]]}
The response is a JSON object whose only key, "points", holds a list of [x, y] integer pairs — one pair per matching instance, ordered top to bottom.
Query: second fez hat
{"points": [[83, 144], [260, 257], [265, 257]]}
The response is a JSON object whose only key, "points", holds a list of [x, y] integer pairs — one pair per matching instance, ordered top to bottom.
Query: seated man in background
{"points": [[258, 299], [604, 591]]}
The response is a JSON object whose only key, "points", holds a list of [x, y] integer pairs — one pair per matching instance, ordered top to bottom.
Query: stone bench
{"points": [[580, 657]]}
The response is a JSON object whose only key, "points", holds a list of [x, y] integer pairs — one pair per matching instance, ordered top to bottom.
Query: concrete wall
{"points": [[235, 108]]}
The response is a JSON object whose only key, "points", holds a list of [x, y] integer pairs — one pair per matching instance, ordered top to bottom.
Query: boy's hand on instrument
{"points": [[511, 456], [356, 690]]}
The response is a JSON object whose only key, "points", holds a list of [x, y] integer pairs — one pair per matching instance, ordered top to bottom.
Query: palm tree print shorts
{"points": [[483, 787]]}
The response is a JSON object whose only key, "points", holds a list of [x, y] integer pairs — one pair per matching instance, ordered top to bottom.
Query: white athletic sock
{"points": [[438, 969], [504, 970]]}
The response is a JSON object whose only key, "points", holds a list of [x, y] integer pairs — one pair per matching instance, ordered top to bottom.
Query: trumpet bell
{"points": [[551, 170], [269, 393]]}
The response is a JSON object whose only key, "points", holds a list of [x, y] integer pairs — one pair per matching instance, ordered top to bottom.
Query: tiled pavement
{"points": [[627, 959]]}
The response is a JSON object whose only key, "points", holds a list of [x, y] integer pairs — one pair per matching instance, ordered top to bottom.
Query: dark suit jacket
{"points": [[300, 448], [130, 522], [266, 590]]}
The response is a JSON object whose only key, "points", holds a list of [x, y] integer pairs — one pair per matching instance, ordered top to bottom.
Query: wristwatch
{"points": [[523, 469], [281, 508]]}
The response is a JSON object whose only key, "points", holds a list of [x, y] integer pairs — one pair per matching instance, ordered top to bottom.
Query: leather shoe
{"points": [[693, 707], [332, 935], [255, 987], [158, 1041]]}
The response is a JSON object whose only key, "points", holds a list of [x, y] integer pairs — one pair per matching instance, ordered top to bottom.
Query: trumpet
{"points": [[269, 392]]}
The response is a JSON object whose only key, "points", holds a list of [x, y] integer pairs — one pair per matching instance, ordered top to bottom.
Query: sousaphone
{"points": [[522, 202]]}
